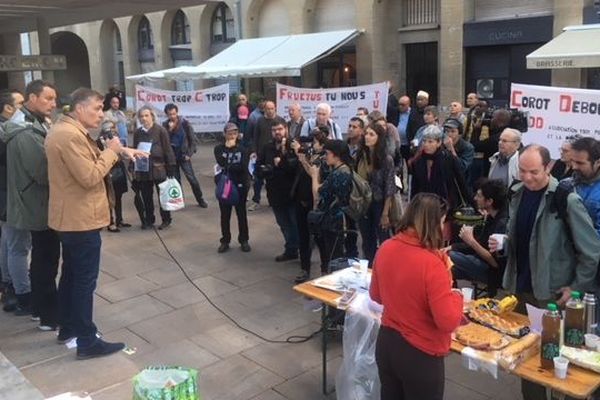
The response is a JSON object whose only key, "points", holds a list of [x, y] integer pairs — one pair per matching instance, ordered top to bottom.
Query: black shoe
{"points": [[202, 204], [123, 225], [147, 226], [164, 226], [245, 247], [223, 248], [286, 257], [303, 277], [9, 299], [23, 305], [64, 336], [99, 349]]}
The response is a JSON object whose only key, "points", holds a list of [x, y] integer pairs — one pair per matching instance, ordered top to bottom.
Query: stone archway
{"points": [[111, 54], [77, 73]]}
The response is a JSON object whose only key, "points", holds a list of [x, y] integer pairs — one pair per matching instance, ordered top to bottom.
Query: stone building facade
{"points": [[447, 47]]}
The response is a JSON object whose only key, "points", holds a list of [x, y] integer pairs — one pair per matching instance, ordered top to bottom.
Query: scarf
{"points": [[431, 180]]}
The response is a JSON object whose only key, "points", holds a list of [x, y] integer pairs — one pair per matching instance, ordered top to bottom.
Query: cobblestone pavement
{"points": [[145, 300]]}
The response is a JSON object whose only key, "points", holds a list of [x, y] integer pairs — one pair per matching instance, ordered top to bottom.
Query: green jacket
{"points": [[27, 166], [554, 259]]}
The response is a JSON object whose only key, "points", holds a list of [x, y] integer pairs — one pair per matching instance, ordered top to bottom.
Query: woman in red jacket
{"points": [[420, 308]]}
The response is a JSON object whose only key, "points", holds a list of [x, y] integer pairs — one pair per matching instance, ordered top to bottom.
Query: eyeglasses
{"points": [[508, 141]]}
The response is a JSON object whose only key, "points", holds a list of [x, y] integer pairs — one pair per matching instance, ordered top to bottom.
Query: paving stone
{"points": [[164, 277], [212, 286], [126, 288], [180, 295], [119, 315], [178, 324], [131, 340], [225, 340], [40, 346], [184, 353], [283, 358], [68, 374], [235, 378], [13, 385], [308, 385], [121, 390], [454, 390], [268, 395]]}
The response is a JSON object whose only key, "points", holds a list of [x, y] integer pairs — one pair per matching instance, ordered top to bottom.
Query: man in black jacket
{"points": [[415, 118], [183, 143], [277, 164]]}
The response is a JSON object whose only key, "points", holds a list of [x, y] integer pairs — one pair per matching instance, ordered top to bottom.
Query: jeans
{"points": [[188, 171], [258, 184], [144, 202], [242, 217], [286, 219], [370, 230], [304, 237], [18, 244], [45, 255], [81, 264], [468, 266], [406, 372]]}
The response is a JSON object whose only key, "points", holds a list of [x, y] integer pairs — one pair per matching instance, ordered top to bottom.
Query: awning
{"points": [[577, 47], [261, 57]]}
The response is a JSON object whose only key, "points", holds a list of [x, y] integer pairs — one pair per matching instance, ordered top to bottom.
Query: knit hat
{"points": [[422, 93]]}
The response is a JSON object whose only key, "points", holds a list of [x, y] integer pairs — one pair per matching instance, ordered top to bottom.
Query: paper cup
{"points": [[499, 237], [467, 293], [591, 341], [561, 365]]}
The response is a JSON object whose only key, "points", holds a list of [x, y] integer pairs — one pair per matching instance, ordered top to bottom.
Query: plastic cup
{"points": [[500, 239], [467, 293], [591, 341], [561, 364]]}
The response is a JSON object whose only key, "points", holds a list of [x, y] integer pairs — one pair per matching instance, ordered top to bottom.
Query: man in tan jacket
{"points": [[78, 210]]}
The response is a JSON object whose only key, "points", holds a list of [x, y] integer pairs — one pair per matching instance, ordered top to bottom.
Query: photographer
{"points": [[485, 137], [309, 153], [277, 164], [330, 198]]}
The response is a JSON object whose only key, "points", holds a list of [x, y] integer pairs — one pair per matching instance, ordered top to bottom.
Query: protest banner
{"points": [[343, 101], [207, 110], [556, 114]]}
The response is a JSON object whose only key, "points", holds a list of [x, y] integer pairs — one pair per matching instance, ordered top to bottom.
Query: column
{"points": [[44, 44], [450, 52]]}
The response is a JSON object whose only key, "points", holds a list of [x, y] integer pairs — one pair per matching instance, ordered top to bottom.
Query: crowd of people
{"points": [[468, 177]]}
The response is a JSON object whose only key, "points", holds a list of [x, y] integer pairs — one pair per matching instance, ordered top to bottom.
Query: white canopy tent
{"points": [[577, 47], [260, 57]]}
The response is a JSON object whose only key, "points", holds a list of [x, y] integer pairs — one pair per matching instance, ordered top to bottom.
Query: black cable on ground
{"points": [[290, 340]]}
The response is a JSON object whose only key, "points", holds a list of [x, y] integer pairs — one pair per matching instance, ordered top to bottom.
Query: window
{"points": [[223, 25], [180, 30], [145, 35], [117, 39]]}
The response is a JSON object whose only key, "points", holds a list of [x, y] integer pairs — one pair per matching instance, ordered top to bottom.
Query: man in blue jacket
{"points": [[585, 162]]}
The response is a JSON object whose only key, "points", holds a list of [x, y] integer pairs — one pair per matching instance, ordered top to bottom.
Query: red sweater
{"points": [[415, 288]]}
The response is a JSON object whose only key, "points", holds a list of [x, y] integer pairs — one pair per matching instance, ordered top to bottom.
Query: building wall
{"points": [[380, 50]]}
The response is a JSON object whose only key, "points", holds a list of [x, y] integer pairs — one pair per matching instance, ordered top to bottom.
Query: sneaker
{"points": [[202, 204], [253, 206], [164, 226], [245, 247], [223, 248], [286, 257], [303, 277], [9, 299], [22, 311], [35, 317], [47, 328], [64, 336], [99, 349]]}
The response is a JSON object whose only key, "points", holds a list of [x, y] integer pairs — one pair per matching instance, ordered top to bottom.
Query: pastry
{"points": [[505, 323], [479, 337]]}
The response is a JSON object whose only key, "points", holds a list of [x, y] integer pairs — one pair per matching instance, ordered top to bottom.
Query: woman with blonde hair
{"points": [[421, 309]]}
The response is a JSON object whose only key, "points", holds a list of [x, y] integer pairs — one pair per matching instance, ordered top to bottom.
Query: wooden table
{"points": [[580, 383]]}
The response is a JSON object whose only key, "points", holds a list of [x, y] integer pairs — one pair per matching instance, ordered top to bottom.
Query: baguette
{"points": [[519, 351]]}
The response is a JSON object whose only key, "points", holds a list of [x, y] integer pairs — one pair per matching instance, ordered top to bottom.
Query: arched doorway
{"points": [[112, 54], [77, 73]]}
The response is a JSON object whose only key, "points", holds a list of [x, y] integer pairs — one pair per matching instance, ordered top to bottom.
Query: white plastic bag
{"points": [[171, 196], [358, 378]]}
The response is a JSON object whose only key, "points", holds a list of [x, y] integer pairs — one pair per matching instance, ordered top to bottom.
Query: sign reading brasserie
{"points": [[32, 63]]}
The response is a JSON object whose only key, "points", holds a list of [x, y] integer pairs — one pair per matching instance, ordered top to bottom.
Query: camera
{"points": [[305, 145]]}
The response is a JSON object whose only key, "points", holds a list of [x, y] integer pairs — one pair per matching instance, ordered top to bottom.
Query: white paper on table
{"points": [[535, 318], [473, 362]]}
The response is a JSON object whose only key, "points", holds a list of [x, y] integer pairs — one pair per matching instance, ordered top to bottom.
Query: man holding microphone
{"points": [[78, 210]]}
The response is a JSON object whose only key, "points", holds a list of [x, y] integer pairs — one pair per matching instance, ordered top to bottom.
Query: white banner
{"points": [[343, 101], [207, 110], [556, 114]]}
